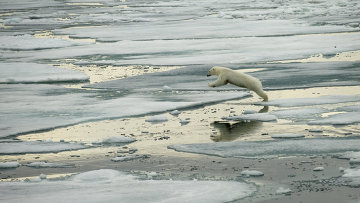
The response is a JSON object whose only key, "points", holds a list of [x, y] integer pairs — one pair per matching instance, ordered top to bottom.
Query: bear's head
{"points": [[213, 71]]}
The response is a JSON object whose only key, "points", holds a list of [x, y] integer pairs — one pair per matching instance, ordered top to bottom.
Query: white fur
{"points": [[226, 75]]}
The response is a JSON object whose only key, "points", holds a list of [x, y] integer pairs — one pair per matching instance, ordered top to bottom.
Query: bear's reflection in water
{"points": [[229, 131], [232, 131]]}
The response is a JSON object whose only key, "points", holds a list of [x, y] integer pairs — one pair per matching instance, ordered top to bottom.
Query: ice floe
{"points": [[37, 73], [329, 99], [299, 112], [265, 117], [157, 119], [338, 119], [287, 136], [116, 139], [38, 147], [272, 148], [129, 158], [10, 164], [43, 164], [319, 168], [254, 173], [352, 176], [107, 185], [281, 191]]}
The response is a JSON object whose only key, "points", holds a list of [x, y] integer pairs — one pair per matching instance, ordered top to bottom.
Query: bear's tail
{"points": [[263, 95]]}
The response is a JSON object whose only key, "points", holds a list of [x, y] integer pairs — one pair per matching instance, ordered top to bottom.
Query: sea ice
{"points": [[37, 73], [329, 99], [350, 108], [298, 112], [264, 117], [338, 119], [287, 136], [38, 147], [272, 148], [11, 164], [42, 164], [320, 168], [352, 176], [107, 185], [282, 190]]}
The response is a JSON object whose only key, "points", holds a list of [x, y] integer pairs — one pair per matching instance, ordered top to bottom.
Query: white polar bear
{"points": [[226, 75]]}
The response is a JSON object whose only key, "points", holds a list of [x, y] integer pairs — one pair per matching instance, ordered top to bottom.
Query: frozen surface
{"points": [[37, 73], [329, 99], [47, 106], [265, 117], [338, 119], [287, 136], [38, 147], [273, 148], [11, 164], [42, 164], [113, 186]]}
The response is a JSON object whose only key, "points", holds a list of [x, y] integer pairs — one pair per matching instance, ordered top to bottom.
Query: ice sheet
{"points": [[37, 73], [116, 139], [38, 147], [272, 148], [112, 186]]}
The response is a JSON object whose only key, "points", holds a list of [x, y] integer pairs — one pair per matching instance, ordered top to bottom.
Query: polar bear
{"points": [[226, 75]]}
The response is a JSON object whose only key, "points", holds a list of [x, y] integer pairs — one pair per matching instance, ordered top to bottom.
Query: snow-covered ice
{"points": [[287, 136], [38, 147], [272, 148], [10, 164], [107, 185]]}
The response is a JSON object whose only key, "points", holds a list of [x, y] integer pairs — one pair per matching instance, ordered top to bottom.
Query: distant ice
{"points": [[29, 42], [37, 73], [329, 99], [265, 117], [157, 119], [338, 119], [287, 136], [38, 147], [272, 148], [128, 158], [11, 164], [42, 164], [107, 185]]}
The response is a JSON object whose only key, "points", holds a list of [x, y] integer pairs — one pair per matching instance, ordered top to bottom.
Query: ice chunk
{"points": [[28, 42], [37, 73], [329, 99], [175, 112], [265, 117], [157, 119], [338, 119], [287, 135], [116, 139], [38, 147], [272, 148], [129, 158], [11, 164], [42, 164], [320, 168], [251, 173], [42, 176], [352, 176], [107, 185], [282, 190]]}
